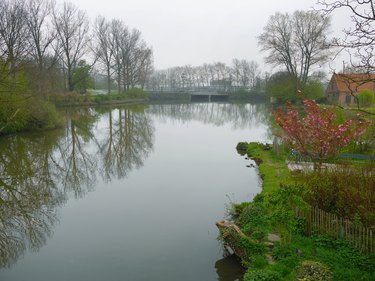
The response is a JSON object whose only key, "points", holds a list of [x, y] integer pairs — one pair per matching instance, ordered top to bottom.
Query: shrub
{"points": [[136, 93], [366, 98], [18, 112], [13, 113], [42, 115], [242, 148], [346, 191], [236, 210], [252, 217], [258, 235], [251, 247], [282, 251], [258, 261], [314, 271], [262, 275]]}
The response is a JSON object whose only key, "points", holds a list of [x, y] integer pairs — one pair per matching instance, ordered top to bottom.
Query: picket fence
{"points": [[321, 222]]}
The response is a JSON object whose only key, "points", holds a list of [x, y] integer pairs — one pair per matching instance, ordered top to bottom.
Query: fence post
{"points": [[341, 228]]}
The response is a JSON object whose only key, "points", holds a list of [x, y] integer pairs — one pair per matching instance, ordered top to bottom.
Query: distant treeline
{"points": [[51, 46], [48, 50], [240, 74]]}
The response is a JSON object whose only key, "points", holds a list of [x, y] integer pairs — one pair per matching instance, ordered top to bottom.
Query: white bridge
{"points": [[199, 94]]}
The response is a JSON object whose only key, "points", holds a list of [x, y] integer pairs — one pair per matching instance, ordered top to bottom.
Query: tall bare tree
{"points": [[72, 28], [118, 31], [13, 34], [42, 35], [359, 38], [297, 42], [129, 46], [103, 51], [131, 57], [143, 66], [244, 72]]}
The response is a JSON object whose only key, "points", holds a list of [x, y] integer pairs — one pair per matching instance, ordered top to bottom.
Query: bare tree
{"points": [[72, 28], [118, 30], [41, 32], [13, 34], [42, 35], [359, 39], [296, 42], [129, 48], [103, 50], [131, 57], [143, 67], [245, 73], [254, 73]]}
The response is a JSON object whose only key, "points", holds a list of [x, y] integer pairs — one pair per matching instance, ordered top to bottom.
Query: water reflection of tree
{"points": [[218, 114], [128, 141], [73, 164], [38, 172], [28, 195]]}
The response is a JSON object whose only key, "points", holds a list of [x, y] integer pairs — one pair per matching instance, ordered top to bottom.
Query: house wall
{"points": [[345, 98]]}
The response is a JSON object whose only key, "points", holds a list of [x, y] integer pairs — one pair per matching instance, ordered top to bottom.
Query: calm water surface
{"points": [[130, 193]]}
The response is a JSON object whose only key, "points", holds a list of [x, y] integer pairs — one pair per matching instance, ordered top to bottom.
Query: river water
{"points": [[128, 193]]}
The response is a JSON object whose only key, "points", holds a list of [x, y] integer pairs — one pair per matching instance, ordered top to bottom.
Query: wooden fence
{"points": [[321, 222]]}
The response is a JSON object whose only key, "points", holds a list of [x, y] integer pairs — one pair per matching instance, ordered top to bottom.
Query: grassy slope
{"points": [[272, 169], [345, 262]]}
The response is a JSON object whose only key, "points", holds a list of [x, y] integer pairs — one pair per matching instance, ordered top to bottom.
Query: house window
{"points": [[348, 99]]}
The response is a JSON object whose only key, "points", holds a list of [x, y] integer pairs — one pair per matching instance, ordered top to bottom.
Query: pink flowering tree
{"points": [[317, 134]]}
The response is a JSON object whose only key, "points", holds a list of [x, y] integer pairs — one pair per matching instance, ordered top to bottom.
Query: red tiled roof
{"points": [[354, 82]]}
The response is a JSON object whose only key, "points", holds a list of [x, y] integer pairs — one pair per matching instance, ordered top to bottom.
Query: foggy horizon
{"points": [[197, 32]]}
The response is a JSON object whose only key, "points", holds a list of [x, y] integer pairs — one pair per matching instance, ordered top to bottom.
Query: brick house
{"points": [[342, 87]]}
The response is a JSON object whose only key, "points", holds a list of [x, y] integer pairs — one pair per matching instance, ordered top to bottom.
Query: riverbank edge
{"points": [[99, 103], [272, 168], [273, 172], [295, 256]]}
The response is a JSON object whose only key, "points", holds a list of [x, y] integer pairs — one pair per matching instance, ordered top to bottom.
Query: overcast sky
{"points": [[194, 32]]}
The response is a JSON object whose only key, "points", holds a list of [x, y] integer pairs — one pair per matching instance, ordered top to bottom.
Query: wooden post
{"points": [[341, 235]]}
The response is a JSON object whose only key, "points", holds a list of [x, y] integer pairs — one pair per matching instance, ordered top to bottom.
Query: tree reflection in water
{"points": [[240, 115], [127, 142], [72, 163], [38, 172], [28, 194]]}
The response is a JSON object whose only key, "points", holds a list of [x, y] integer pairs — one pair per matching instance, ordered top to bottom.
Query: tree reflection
{"points": [[238, 115], [129, 140], [73, 162], [38, 172], [28, 195]]}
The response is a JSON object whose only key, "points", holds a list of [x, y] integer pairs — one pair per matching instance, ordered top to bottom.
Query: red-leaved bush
{"points": [[317, 134]]}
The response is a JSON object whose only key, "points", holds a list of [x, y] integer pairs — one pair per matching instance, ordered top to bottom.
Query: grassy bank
{"points": [[272, 167], [272, 214]]}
